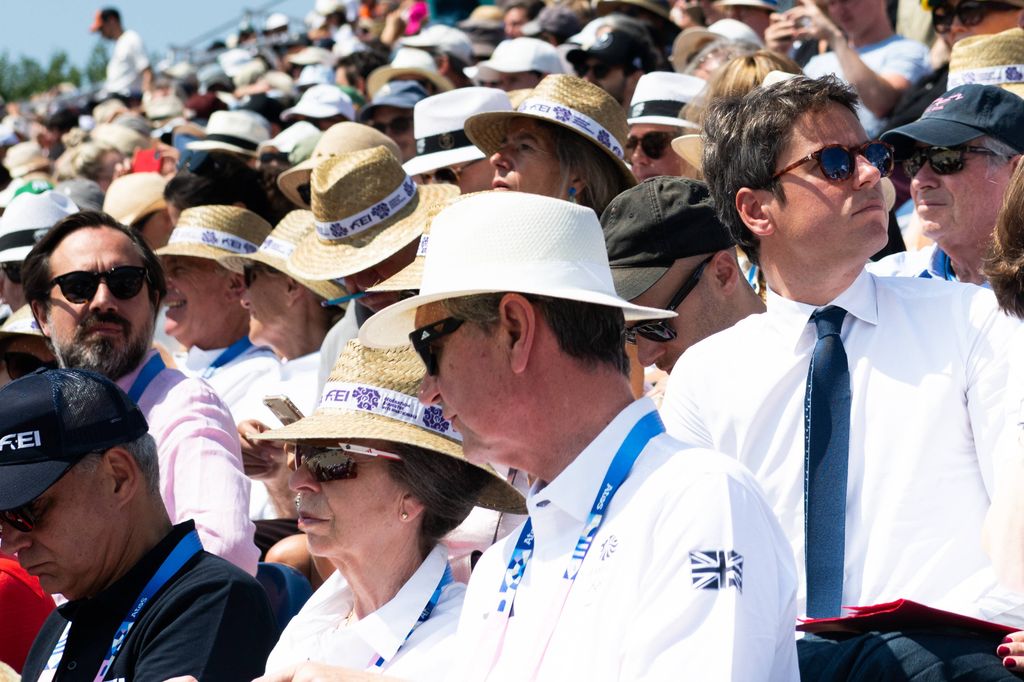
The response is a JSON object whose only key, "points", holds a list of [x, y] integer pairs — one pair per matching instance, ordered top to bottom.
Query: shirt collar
{"points": [[792, 318], [196, 359], [127, 380], [575, 488]]}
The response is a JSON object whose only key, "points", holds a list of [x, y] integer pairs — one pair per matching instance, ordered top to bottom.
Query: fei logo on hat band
{"points": [[574, 119], [364, 220], [210, 237], [387, 403]]}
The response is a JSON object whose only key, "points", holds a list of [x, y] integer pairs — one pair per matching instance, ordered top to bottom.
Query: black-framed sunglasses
{"points": [[970, 13], [599, 69], [399, 125], [653, 144], [274, 157], [943, 160], [837, 163], [450, 175], [305, 192], [252, 270], [12, 271], [124, 282], [660, 331], [424, 338], [19, 364], [335, 463], [22, 518]]}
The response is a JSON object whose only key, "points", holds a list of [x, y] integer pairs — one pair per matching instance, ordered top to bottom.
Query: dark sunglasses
{"points": [[969, 13], [599, 70], [396, 126], [652, 144], [274, 157], [943, 160], [837, 162], [448, 176], [305, 193], [12, 271], [249, 272], [124, 282], [660, 331], [424, 338], [22, 364], [335, 463], [21, 518]]}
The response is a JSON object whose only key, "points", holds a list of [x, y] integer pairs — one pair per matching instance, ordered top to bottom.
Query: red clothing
{"points": [[24, 606]]}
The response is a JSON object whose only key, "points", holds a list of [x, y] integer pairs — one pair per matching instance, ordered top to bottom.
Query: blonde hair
{"points": [[738, 76], [1004, 266]]}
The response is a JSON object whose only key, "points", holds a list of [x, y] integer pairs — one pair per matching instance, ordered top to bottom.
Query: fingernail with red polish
{"points": [[1007, 639], [1002, 650], [1009, 663]]}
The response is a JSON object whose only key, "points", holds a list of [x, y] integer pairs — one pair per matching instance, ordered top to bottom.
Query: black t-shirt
{"points": [[211, 620]]}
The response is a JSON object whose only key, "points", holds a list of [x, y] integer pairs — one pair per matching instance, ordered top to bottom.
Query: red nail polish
{"points": [[1007, 639], [1002, 650], [1009, 663]]}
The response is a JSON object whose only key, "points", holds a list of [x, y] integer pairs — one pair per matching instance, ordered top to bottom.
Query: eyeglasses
{"points": [[970, 13], [599, 69], [397, 126], [652, 144], [274, 157], [943, 160], [837, 162], [448, 176], [305, 193], [12, 271], [249, 272], [124, 282], [659, 331], [424, 338], [19, 364], [335, 463], [26, 517]]}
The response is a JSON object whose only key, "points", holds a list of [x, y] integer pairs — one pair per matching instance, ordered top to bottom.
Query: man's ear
{"points": [[752, 205], [724, 271], [236, 285], [41, 311], [517, 321], [125, 477]]}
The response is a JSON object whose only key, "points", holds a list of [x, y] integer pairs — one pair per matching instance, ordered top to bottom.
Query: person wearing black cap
{"points": [[615, 62], [959, 156], [667, 249], [80, 506]]}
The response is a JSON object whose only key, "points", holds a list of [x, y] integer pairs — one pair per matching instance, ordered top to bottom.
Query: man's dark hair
{"points": [[532, 7], [110, 13], [359, 65], [62, 120], [744, 136], [218, 178], [35, 271], [591, 333]]}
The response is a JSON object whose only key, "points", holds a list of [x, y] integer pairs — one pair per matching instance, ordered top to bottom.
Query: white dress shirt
{"points": [[126, 64], [928, 362], [241, 383], [634, 612], [319, 631]]}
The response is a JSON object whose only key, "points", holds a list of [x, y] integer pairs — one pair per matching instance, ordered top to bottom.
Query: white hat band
{"points": [[987, 75], [576, 120], [364, 220], [209, 237], [278, 247], [421, 250], [387, 403]]}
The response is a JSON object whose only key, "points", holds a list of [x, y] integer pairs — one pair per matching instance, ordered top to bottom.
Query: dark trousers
{"points": [[910, 655]]}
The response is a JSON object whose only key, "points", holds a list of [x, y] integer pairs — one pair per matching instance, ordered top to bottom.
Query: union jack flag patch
{"points": [[716, 569]]}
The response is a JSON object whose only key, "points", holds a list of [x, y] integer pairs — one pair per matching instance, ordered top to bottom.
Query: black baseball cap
{"points": [[614, 47], [962, 114], [650, 226], [54, 419]]}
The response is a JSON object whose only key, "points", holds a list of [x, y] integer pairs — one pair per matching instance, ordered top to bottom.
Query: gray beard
{"points": [[101, 355]]}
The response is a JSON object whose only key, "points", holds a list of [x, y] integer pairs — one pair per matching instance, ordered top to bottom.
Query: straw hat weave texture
{"points": [[996, 59], [215, 231]]}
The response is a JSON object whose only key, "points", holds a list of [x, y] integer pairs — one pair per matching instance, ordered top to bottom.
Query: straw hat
{"points": [[691, 41], [996, 59], [407, 64], [566, 101], [240, 132], [120, 137], [340, 138], [690, 147], [25, 157], [134, 196], [365, 210], [215, 231], [509, 241], [276, 248], [409, 277], [23, 323], [373, 393]]}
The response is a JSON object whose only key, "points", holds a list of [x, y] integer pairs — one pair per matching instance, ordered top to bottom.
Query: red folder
{"points": [[901, 614]]}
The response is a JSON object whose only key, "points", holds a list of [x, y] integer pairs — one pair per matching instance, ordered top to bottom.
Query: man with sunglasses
{"points": [[615, 62], [391, 112], [655, 119], [959, 156], [95, 287], [868, 407], [80, 506]]}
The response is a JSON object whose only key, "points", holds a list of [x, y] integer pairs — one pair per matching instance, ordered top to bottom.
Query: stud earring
{"points": [[405, 516]]}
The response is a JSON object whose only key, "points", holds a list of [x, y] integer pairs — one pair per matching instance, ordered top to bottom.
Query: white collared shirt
{"points": [[928, 363], [241, 383], [634, 612], [319, 631]]}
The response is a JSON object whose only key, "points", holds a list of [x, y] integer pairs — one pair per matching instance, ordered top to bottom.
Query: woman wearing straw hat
{"points": [[565, 140], [381, 479]]}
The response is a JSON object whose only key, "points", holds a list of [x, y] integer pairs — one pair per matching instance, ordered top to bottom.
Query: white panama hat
{"points": [[660, 95], [439, 125], [240, 132], [27, 218], [493, 242]]}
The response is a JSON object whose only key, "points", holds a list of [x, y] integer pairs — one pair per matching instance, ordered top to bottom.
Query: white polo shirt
{"points": [[127, 62], [928, 364], [241, 383], [638, 610]]}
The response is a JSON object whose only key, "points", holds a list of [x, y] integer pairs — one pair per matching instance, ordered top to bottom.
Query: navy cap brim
{"points": [[931, 131], [24, 482]]}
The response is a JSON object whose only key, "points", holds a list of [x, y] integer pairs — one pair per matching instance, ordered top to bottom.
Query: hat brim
{"points": [[747, 3], [604, 7], [384, 74], [312, 111], [663, 121], [487, 131], [931, 131], [214, 145], [690, 148], [442, 159], [290, 180], [193, 251], [14, 254], [316, 259], [408, 278], [631, 282], [323, 288], [335, 425], [22, 483]]}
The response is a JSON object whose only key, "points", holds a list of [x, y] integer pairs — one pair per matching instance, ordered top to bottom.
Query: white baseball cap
{"points": [[444, 39], [515, 56], [322, 101], [27, 218]]}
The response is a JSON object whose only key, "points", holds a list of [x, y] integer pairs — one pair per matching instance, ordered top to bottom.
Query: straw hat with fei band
{"points": [[995, 59], [365, 209], [215, 231], [409, 277], [372, 394]]}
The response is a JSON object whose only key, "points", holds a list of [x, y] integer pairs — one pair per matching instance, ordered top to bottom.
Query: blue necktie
{"points": [[826, 449]]}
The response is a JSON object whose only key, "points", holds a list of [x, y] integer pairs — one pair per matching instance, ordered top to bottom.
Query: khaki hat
{"points": [[996, 59], [408, 64], [566, 101], [119, 137], [340, 138], [25, 157], [134, 196], [365, 210], [215, 231], [276, 248], [409, 277], [21, 323], [373, 393]]}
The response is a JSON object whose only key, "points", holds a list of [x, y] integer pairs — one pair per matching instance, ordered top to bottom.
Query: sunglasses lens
{"points": [[970, 13], [655, 144], [880, 156], [945, 161], [836, 163], [913, 164], [446, 176], [304, 192], [12, 271], [125, 282], [79, 287], [657, 332], [326, 464], [18, 519]]}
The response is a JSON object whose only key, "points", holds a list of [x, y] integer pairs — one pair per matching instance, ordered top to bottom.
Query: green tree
{"points": [[96, 65]]}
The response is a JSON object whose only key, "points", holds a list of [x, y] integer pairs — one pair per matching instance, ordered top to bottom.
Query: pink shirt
{"points": [[201, 475]]}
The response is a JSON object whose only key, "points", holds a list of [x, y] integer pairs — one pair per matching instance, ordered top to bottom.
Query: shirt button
{"points": [[543, 503], [72, 665]]}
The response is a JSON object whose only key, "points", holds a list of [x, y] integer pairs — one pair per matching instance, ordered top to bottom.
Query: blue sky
{"points": [[38, 28]]}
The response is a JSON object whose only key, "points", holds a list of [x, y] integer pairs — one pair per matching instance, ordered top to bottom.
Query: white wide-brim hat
{"points": [[408, 63], [660, 96], [240, 132], [27, 218], [493, 242]]}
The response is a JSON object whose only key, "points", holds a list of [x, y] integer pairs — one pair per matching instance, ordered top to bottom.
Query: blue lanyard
{"points": [[947, 267], [230, 353], [154, 366], [186, 548], [446, 578]]}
